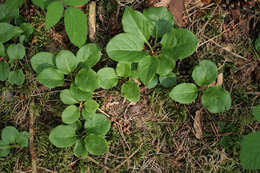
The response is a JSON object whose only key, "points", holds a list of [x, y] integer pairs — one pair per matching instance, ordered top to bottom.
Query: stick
{"points": [[92, 21], [31, 132]]}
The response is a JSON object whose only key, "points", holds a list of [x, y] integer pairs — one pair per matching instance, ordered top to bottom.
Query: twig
{"points": [[92, 21], [100, 110], [31, 132], [97, 163]]}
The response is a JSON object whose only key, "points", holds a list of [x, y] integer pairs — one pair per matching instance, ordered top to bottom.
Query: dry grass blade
{"points": [[197, 125]]}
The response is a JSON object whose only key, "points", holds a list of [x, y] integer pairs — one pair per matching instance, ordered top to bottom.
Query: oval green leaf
{"points": [[75, 2], [54, 14], [7, 32], [2, 50], [16, 51], [89, 54], [42, 60], [66, 61], [166, 65], [147, 68], [123, 69], [4, 70], [16, 77], [51, 77], [107, 78], [87, 80], [168, 80], [153, 82], [131, 91], [184, 93], [78, 94], [67, 98], [90, 106], [256, 112], [70, 115], [97, 124], [9, 135], [23, 139], [96, 145], [4, 149], [80, 149]]}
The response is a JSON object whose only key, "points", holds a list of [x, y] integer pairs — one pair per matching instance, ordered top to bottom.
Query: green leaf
{"points": [[75, 2], [14, 3], [42, 3], [8, 13], [54, 14], [161, 19], [136, 23], [76, 26], [28, 30], [7, 32], [179, 43], [257, 43], [126, 47], [2, 50], [16, 51], [89, 54], [42, 60], [66, 62], [166, 65], [147, 68], [123, 69], [4, 70], [205, 73], [16, 77], [51, 77], [107, 78], [87, 80], [168, 80], [153, 82], [131, 91], [184, 93], [78, 94], [67, 97], [216, 99], [91, 106], [256, 112], [70, 115], [97, 124], [76, 125], [9, 135], [63, 136], [23, 139], [96, 145], [4, 149], [80, 149], [249, 153]]}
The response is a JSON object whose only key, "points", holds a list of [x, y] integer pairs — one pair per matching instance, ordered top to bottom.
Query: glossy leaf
{"points": [[75, 2], [54, 14], [76, 26], [7, 32], [16, 51], [89, 54], [42, 60], [66, 61], [166, 65], [147, 68], [123, 69], [4, 70], [16, 77], [51, 77], [107, 78], [87, 80], [168, 80], [131, 91], [184, 93], [79, 94], [67, 97], [216, 99], [90, 106], [256, 112], [70, 115], [97, 124], [9, 135], [63, 136], [23, 139], [96, 145], [4, 149], [80, 149]]}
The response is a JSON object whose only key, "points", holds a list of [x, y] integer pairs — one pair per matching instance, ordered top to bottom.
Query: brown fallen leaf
{"points": [[177, 8], [220, 79], [197, 125]]}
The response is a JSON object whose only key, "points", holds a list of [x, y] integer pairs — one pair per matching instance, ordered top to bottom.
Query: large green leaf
{"points": [[75, 2], [54, 14], [161, 19], [136, 23], [76, 26], [7, 32], [179, 43], [126, 47], [16, 51], [89, 54], [42, 60], [66, 61], [166, 65], [147, 68], [123, 69], [4, 70], [205, 73], [16, 77], [51, 77], [107, 78], [87, 80], [168, 80], [131, 91], [184, 93], [79, 94], [67, 97], [216, 99], [90, 106], [256, 112], [70, 115], [97, 124], [9, 135], [63, 136], [23, 139], [96, 145], [4, 149], [80, 149], [250, 150]]}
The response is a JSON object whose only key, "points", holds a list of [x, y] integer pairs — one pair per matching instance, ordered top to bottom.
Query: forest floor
{"points": [[156, 134]]}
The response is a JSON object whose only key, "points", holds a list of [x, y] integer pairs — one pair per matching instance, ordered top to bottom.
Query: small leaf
{"points": [[75, 2], [54, 14], [73, 18], [28, 30], [7, 32], [126, 47], [2, 50], [16, 51], [89, 54], [42, 60], [66, 62], [166, 65], [147, 68], [123, 69], [4, 70], [205, 73], [16, 77], [51, 77], [107, 78], [87, 80], [168, 80], [153, 82], [131, 91], [184, 93], [78, 94], [67, 98], [216, 99], [90, 106], [256, 112], [71, 114], [97, 124], [76, 125], [9, 135], [63, 136], [23, 139], [96, 145], [4, 149], [80, 149], [249, 152]]}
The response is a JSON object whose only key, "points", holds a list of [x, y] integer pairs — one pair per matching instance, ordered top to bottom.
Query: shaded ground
{"points": [[156, 134]]}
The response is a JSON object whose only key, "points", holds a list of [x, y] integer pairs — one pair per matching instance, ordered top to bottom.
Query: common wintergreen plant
{"points": [[148, 48], [214, 98], [10, 137]]}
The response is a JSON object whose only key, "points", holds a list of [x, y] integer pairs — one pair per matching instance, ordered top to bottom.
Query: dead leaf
{"points": [[163, 3], [177, 7], [220, 79], [197, 125]]}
